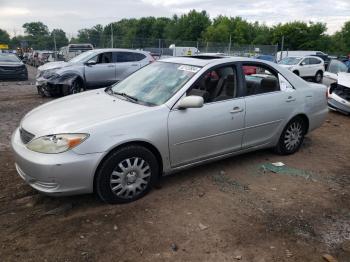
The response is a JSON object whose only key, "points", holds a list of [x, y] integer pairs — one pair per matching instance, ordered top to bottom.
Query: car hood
{"points": [[11, 64], [53, 65], [286, 66], [344, 79], [76, 113]]}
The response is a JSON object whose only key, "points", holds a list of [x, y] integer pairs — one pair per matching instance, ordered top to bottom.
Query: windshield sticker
{"points": [[192, 69]]}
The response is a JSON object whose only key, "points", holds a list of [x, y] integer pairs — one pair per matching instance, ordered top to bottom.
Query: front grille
{"points": [[12, 69], [26, 137]]}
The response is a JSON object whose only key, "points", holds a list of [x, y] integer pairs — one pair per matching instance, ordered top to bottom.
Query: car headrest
{"points": [[269, 85]]}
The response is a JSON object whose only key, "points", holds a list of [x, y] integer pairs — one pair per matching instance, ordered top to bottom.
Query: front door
{"points": [[102, 73], [215, 129]]}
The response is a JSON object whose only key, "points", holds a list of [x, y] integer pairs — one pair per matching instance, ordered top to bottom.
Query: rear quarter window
{"points": [[139, 57]]}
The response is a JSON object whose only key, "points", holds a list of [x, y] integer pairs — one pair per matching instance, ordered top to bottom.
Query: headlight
{"points": [[49, 73], [54, 144]]}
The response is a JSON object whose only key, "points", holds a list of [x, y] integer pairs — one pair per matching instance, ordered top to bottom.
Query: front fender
{"points": [[66, 79]]}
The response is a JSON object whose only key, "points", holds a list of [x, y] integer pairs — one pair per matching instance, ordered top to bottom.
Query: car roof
{"points": [[117, 49], [202, 61]]}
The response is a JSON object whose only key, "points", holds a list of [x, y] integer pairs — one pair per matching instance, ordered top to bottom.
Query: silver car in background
{"points": [[92, 69], [170, 115]]}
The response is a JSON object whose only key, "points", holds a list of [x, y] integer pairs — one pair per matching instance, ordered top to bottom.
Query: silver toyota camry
{"points": [[167, 116]]}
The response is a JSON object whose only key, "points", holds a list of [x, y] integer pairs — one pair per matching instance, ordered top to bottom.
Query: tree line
{"points": [[192, 26]]}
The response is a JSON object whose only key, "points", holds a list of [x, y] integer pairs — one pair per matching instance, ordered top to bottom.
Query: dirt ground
{"points": [[231, 210]]}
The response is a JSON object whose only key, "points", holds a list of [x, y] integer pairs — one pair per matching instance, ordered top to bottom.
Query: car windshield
{"points": [[83, 57], [9, 58], [290, 61], [155, 83]]}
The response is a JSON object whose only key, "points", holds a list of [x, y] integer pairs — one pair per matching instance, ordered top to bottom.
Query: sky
{"points": [[72, 15]]}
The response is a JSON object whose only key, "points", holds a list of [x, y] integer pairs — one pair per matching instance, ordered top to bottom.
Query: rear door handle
{"points": [[134, 64], [110, 66], [290, 99], [236, 109]]}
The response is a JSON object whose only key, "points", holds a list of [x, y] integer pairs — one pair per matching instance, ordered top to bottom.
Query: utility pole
{"points": [[112, 35], [54, 42], [229, 46], [282, 46]]}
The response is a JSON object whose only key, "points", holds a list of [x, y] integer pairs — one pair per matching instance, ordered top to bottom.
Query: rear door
{"points": [[126, 63], [315, 64], [102, 73], [269, 99]]}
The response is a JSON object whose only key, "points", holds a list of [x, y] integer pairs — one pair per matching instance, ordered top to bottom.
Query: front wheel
{"points": [[319, 77], [76, 87], [292, 137], [126, 175]]}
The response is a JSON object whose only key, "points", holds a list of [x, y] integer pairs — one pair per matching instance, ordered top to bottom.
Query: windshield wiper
{"points": [[125, 95]]}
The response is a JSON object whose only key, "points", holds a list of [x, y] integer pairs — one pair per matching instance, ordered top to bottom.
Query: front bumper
{"points": [[49, 89], [61, 174]]}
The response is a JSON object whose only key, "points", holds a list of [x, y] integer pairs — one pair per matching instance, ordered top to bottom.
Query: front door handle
{"points": [[134, 64], [110, 66], [290, 99], [236, 109]]}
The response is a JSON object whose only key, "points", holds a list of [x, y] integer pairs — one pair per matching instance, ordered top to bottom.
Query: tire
{"points": [[296, 72], [318, 77], [76, 87], [40, 91], [292, 137], [114, 184]]}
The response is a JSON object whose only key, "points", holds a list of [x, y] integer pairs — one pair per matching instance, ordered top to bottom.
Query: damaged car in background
{"points": [[92, 69], [337, 77]]}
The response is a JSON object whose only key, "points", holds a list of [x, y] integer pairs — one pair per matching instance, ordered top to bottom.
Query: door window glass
{"points": [[123, 57], [103, 58], [306, 61], [315, 61], [259, 79], [216, 85]]}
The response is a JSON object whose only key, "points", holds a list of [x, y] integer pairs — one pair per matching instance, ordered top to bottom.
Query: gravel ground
{"points": [[231, 210]]}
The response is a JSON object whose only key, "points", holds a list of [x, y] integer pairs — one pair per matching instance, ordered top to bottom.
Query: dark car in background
{"points": [[12, 68]]}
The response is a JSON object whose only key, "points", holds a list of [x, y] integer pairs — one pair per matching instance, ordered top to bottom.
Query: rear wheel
{"points": [[318, 77], [292, 137], [126, 175]]}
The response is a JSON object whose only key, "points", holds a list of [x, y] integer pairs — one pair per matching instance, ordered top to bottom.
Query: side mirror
{"points": [[90, 63], [191, 102]]}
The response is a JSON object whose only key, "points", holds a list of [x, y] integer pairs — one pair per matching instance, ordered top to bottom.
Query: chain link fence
{"points": [[162, 46]]}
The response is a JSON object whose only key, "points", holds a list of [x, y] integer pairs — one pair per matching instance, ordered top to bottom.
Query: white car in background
{"points": [[307, 66], [337, 77]]}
